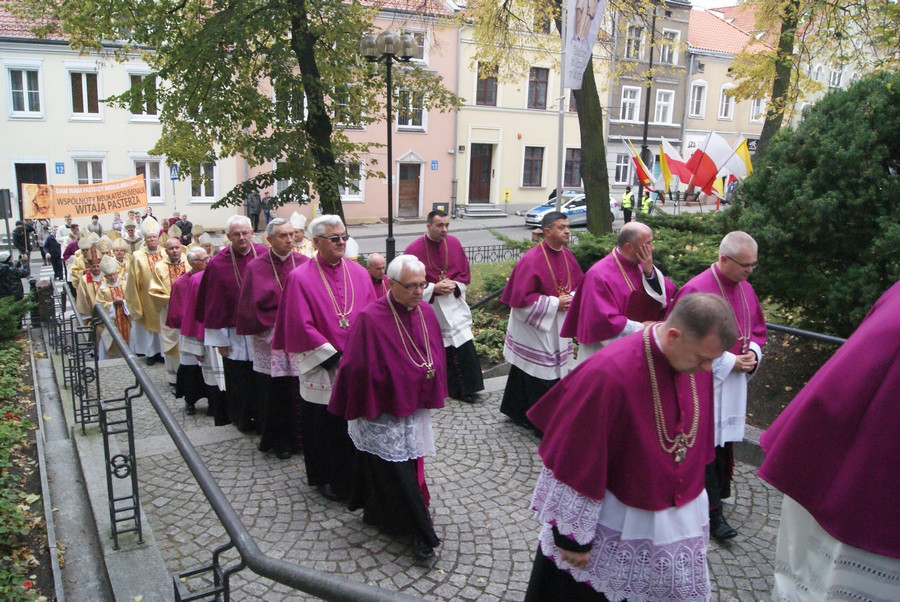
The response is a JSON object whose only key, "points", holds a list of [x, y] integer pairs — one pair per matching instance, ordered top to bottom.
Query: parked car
{"points": [[574, 206]]}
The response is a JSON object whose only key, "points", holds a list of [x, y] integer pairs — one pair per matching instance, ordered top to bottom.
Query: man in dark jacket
{"points": [[185, 225], [21, 237], [54, 253], [11, 278]]}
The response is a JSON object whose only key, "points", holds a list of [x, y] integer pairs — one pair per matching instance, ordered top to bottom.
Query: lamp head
{"points": [[388, 42], [367, 47], [409, 48]]}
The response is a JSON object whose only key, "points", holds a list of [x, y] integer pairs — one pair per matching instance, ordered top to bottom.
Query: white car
{"points": [[574, 206]]}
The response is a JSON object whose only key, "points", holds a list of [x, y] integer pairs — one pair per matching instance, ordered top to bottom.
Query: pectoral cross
{"points": [[344, 323], [430, 374], [680, 454]]}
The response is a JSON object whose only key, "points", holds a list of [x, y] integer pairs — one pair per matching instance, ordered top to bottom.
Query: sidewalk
{"points": [[481, 483]]}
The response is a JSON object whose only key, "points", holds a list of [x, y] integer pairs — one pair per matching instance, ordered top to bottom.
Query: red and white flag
{"points": [[707, 160]]}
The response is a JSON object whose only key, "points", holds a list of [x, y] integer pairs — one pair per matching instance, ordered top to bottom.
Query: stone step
{"points": [[481, 211]]}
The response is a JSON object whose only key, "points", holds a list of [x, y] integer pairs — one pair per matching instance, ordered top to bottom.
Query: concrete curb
{"points": [[46, 499]]}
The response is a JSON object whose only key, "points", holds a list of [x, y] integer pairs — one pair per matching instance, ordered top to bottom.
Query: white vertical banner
{"points": [[585, 18]]}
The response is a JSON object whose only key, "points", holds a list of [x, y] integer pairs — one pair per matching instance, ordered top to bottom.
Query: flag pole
{"points": [[563, 47]]}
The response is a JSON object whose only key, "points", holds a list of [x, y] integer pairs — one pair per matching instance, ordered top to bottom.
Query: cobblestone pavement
{"points": [[481, 483]]}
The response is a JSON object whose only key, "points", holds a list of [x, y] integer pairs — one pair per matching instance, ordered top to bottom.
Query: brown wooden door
{"points": [[480, 174], [408, 190]]}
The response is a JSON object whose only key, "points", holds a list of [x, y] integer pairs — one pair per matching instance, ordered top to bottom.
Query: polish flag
{"points": [[707, 160], [671, 163]]}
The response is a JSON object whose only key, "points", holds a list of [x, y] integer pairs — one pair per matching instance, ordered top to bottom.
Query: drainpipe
{"points": [[455, 182]]}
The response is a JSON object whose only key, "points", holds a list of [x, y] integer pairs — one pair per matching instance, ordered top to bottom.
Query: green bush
{"points": [[823, 206], [11, 312], [489, 328], [15, 508]]}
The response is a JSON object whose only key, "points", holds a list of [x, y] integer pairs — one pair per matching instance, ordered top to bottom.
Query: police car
{"points": [[573, 205]]}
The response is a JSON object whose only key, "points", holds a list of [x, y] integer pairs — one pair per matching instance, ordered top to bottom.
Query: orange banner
{"points": [[47, 201]]}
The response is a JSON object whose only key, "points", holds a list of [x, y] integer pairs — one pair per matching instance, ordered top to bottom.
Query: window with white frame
{"points": [[421, 38], [633, 42], [668, 51], [819, 71], [538, 78], [834, 78], [486, 86], [24, 88], [85, 90], [631, 98], [698, 99], [289, 101], [143, 103], [726, 103], [347, 107], [757, 110], [663, 111], [410, 113], [533, 166], [151, 169], [623, 169], [88, 171], [572, 174], [203, 187], [353, 190]]}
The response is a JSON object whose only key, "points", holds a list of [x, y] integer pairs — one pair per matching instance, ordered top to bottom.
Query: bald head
{"points": [[632, 237], [173, 249], [376, 264]]}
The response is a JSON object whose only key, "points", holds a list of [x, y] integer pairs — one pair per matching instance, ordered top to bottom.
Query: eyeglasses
{"points": [[334, 239], [746, 266], [413, 285]]}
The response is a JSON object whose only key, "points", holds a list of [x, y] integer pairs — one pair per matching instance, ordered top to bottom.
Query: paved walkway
{"points": [[481, 482]]}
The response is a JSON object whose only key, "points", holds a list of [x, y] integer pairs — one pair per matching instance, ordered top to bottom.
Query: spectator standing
{"points": [[252, 204], [117, 222], [95, 225], [54, 254]]}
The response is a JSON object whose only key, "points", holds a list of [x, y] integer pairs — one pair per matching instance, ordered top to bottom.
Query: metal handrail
{"points": [[806, 333], [311, 581]]}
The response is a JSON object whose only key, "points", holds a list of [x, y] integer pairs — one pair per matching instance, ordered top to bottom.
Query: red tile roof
{"points": [[742, 16], [12, 26], [706, 31]]}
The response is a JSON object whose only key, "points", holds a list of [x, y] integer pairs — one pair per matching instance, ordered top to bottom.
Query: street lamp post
{"points": [[387, 48]]}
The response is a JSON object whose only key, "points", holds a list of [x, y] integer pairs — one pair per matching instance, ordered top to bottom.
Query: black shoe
{"points": [[149, 360], [468, 398], [190, 410], [284, 454], [327, 491], [720, 529], [421, 550]]}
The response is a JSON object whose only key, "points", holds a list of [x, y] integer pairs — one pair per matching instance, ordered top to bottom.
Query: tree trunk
{"points": [[784, 58], [318, 123], [594, 172]]}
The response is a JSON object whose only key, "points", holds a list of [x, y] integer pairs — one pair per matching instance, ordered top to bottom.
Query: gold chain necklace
{"points": [[622, 269], [274, 271], [443, 272], [237, 274], [561, 289], [343, 322], [745, 337], [427, 360], [681, 442]]}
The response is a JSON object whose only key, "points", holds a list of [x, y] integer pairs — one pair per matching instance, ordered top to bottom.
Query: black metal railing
{"points": [[318, 583]]}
